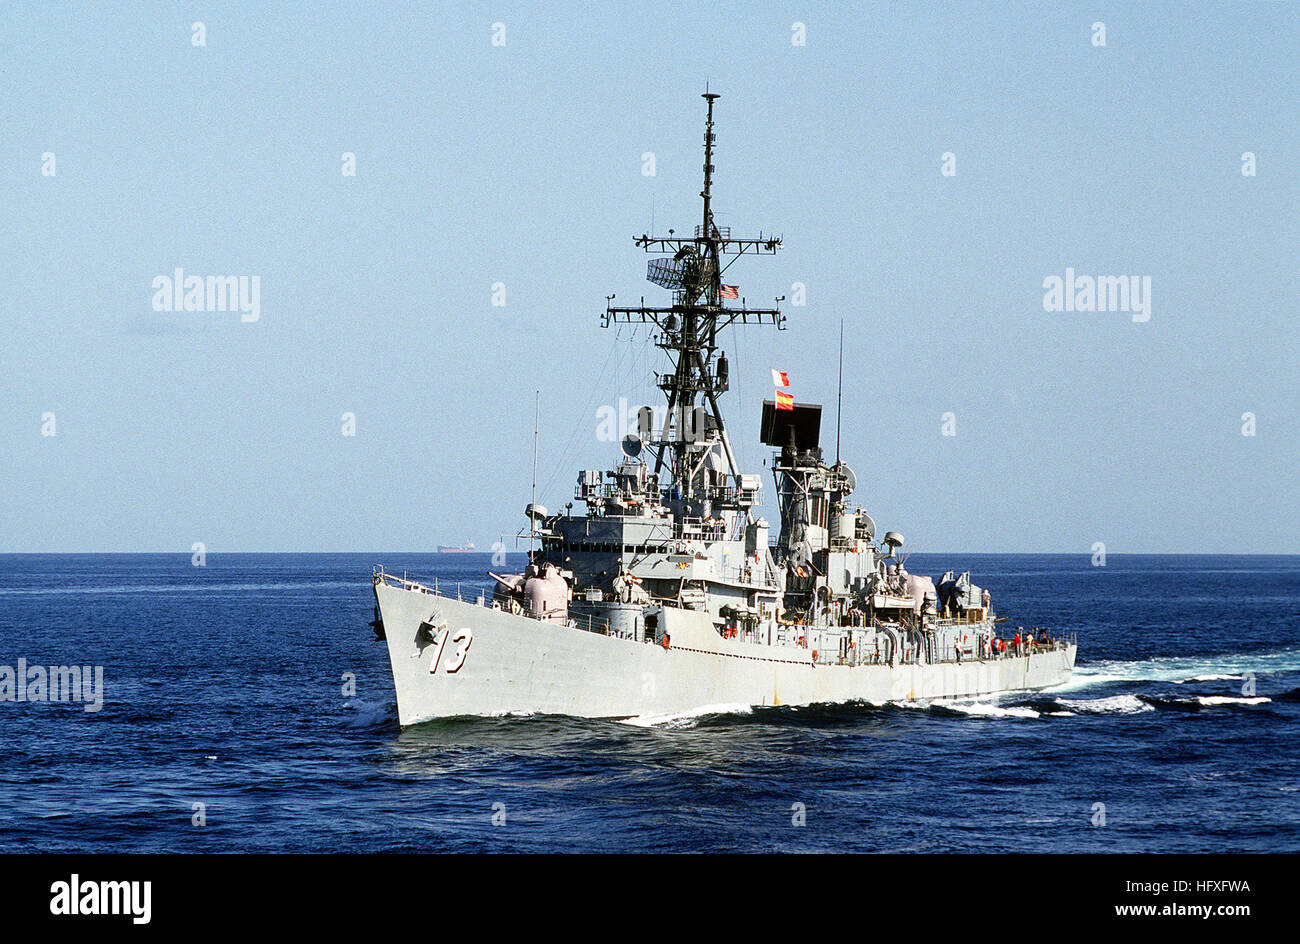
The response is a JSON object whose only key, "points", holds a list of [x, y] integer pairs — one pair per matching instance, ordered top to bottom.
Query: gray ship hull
{"points": [[453, 657]]}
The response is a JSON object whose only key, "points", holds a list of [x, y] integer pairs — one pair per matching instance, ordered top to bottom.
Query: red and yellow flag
{"points": [[784, 401]]}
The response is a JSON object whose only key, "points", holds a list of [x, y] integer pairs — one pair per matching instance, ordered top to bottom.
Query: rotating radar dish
{"points": [[687, 271], [631, 445], [850, 480]]}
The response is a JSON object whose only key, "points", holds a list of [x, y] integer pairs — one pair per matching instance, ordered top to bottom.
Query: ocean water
{"points": [[224, 703]]}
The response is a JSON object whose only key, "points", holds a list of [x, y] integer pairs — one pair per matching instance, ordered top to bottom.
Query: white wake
{"points": [[1181, 669], [688, 718]]}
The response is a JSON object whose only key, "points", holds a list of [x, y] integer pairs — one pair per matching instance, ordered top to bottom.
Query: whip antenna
{"points": [[839, 395], [537, 416]]}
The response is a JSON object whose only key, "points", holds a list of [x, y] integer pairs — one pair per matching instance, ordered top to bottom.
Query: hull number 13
{"points": [[460, 640]]}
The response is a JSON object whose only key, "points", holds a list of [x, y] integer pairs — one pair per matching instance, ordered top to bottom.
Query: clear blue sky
{"points": [[522, 164]]}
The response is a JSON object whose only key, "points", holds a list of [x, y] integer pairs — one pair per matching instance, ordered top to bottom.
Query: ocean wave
{"points": [[1182, 669], [1213, 677], [1083, 680], [1229, 700], [1197, 702], [909, 705], [1113, 705], [985, 709], [368, 714], [688, 718]]}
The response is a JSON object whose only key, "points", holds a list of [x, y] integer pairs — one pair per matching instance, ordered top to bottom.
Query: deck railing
{"points": [[588, 623], [600, 625], [945, 654]]}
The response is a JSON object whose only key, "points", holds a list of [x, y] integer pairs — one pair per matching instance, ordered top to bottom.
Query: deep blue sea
{"points": [[224, 686]]}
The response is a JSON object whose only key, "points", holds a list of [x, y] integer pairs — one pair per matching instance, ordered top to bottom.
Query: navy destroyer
{"points": [[668, 595]]}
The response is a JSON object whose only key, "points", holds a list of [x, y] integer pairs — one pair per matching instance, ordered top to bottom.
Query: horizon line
{"points": [[436, 553]]}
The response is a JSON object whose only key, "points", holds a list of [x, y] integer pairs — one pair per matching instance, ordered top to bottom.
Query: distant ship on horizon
{"points": [[456, 549]]}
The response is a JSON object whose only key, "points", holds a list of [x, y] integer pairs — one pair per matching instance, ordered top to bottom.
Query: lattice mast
{"points": [[688, 329]]}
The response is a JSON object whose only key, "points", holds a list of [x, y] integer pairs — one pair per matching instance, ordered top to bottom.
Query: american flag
{"points": [[731, 291]]}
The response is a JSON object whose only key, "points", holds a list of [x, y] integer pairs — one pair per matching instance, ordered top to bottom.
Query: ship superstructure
{"points": [[668, 594]]}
